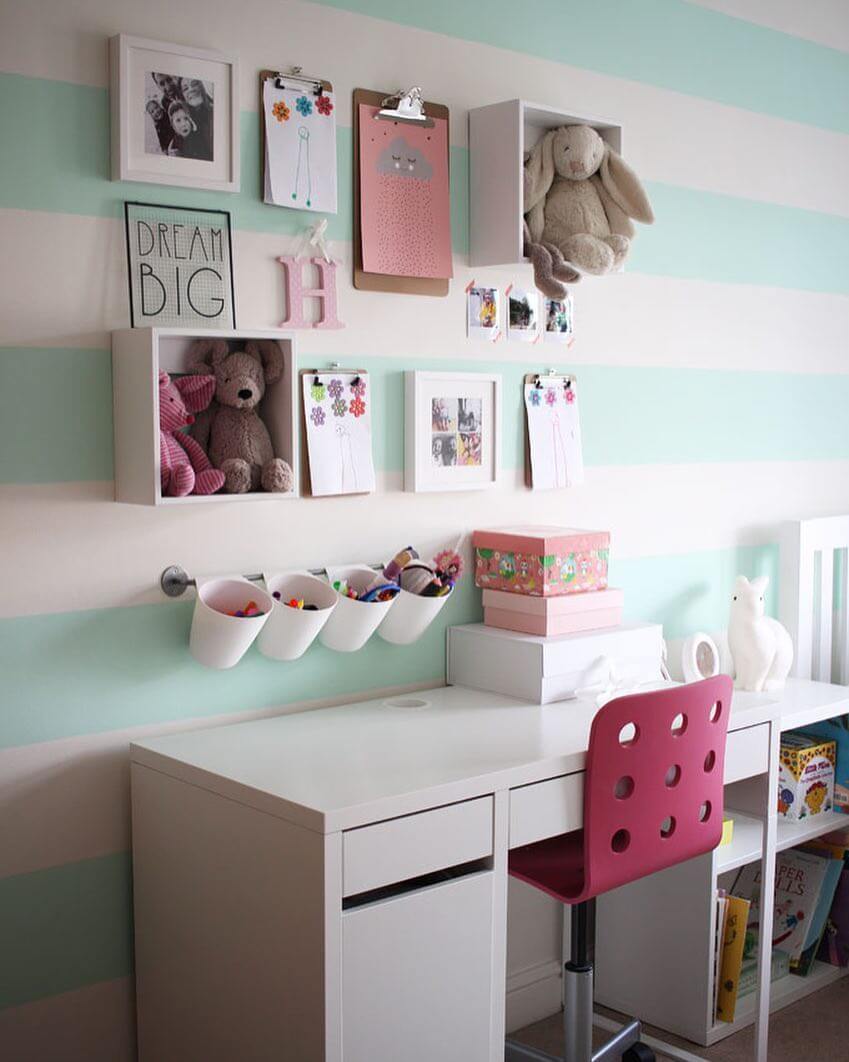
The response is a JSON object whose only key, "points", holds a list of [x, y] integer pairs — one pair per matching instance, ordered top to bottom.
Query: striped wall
{"points": [[713, 373]]}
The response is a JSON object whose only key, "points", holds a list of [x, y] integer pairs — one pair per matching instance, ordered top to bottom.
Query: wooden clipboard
{"points": [[273, 75], [384, 281], [306, 484]]}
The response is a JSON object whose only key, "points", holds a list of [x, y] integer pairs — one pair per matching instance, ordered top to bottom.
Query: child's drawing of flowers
{"points": [[323, 104], [304, 106], [280, 111], [358, 387], [335, 388], [318, 392], [551, 396], [535, 397], [358, 406], [339, 407], [317, 416]]}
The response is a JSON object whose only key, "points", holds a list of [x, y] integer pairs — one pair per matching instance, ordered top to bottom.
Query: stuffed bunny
{"points": [[579, 196], [238, 440], [183, 466], [762, 649]]}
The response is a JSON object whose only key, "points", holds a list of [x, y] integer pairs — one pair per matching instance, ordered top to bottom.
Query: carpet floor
{"points": [[815, 1029]]}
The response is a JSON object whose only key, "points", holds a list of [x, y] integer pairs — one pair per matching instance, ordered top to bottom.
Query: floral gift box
{"points": [[541, 561]]}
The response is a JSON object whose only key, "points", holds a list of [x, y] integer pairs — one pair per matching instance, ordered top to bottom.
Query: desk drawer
{"points": [[747, 753], [546, 809], [404, 848]]}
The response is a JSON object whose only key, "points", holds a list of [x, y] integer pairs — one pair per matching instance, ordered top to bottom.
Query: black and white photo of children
{"points": [[179, 117], [469, 414], [444, 450]]}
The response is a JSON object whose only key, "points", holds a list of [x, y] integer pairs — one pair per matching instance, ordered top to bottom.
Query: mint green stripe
{"points": [[668, 43], [61, 164], [55, 415], [688, 592], [87, 672], [64, 928]]}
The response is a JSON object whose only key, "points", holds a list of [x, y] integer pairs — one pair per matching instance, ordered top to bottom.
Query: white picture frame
{"points": [[146, 141], [444, 411]]}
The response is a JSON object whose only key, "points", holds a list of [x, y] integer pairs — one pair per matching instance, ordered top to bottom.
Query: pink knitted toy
{"points": [[184, 467]]}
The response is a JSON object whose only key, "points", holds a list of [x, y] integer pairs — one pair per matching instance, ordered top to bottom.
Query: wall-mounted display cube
{"points": [[499, 136], [138, 357]]}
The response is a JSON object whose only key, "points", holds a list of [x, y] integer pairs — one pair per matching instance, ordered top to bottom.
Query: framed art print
{"points": [[175, 114], [180, 267], [452, 431]]}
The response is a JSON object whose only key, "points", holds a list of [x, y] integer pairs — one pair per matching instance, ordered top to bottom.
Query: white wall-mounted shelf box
{"points": [[499, 136], [138, 356]]}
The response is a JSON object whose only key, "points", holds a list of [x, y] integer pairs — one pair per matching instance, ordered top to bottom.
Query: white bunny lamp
{"points": [[761, 648]]}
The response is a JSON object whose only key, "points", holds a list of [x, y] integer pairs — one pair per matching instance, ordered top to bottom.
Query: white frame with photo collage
{"points": [[132, 60], [422, 389]]}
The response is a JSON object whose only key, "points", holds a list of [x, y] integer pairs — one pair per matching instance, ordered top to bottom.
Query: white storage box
{"points": [[543, 670]]}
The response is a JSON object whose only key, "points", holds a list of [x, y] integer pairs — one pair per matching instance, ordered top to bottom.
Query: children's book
{"points": [[833, 856], [798, 879], [719, 933], [733, 939], [834, 947], [748, 980]]}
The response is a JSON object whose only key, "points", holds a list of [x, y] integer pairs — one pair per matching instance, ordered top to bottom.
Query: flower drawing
{"points": [[323, 104], [303, 106], [280, 111], [358, 387], [335, 388], [318, 392], [570, 395], [551, 396], [535, 397], [358, 406], [339, 407], [317, 416]]}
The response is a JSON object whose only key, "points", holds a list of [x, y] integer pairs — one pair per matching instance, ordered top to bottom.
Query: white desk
{"points": [[325, 885]]}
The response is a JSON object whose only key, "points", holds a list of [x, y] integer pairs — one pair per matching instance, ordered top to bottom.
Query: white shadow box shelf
{"points": [[499, 136], [138, 356]]}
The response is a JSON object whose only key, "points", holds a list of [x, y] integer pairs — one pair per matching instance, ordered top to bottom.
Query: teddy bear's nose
{"points": [[575, 166], [245, 393]]}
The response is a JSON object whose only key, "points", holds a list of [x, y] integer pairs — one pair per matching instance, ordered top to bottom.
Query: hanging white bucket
{"points": [[411, 616], [353, 622], [291, 631], [218, 639]]}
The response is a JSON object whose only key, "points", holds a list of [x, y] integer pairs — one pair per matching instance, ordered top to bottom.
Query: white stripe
{"points": [[821, 21], [669, 136], [630, 319], [110, 556], [66, 800], [91, 1024]]}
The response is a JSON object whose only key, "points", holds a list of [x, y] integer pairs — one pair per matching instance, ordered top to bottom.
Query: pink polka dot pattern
{"points": [[405, 239]]}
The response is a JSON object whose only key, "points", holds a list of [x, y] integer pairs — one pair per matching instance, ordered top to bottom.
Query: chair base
{"points": [[578, 1026]]}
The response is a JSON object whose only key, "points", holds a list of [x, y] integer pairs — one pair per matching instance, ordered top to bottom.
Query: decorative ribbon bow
{"points": [[314, 237]]}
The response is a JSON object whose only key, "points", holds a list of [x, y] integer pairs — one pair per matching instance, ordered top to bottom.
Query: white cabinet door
{"points": [[417, 975]]}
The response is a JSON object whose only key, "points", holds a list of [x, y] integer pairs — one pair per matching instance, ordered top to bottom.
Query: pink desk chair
{"points": [[653, 795]]}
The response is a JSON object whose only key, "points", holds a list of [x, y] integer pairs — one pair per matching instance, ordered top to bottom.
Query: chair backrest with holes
{"points": [[653, 790]]}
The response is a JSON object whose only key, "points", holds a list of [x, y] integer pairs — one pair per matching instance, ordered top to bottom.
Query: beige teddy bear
{"points": [[579, 199], [231, 430]]}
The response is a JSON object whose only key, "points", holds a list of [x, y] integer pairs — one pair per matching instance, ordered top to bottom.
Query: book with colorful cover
{"points": [[833, 856], [798, 880], [733, 940]]}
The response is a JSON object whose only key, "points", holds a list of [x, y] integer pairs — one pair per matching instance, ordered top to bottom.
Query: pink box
{"points": [[541, 561], [567, 614]]}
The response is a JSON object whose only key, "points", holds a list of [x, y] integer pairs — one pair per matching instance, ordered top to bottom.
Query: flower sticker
{"points": [[323, 105], [303, 106], [280, 111], [358, 387], [335, 388], [318, 392], [551, 396], [570, 396], [535, 397], [358, 406], [339, 407], [317, 416]]}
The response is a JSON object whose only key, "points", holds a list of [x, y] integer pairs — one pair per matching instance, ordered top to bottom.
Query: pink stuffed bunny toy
{"points": [[184, 467]]}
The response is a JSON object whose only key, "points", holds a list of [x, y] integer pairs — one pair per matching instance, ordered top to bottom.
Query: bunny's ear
{"points": [[539, 171], [624, 188], [268, 352], [164, 380], [196, 391], [742, 583], [760, 584]]}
